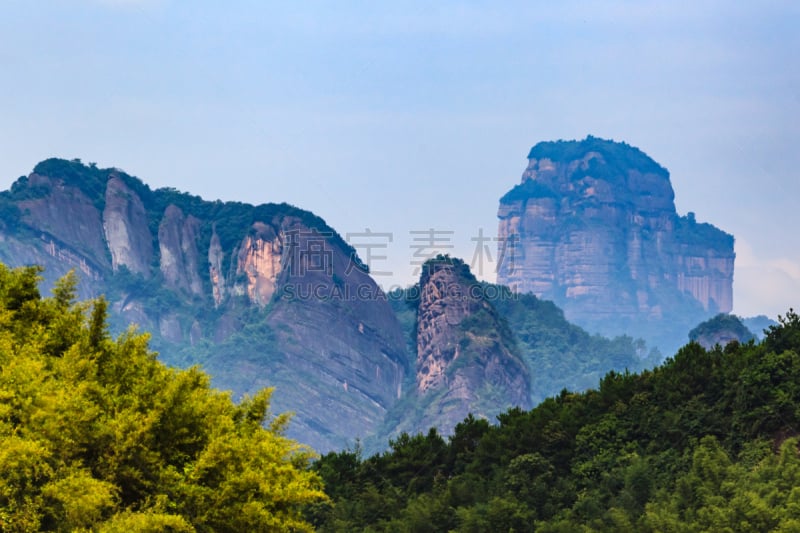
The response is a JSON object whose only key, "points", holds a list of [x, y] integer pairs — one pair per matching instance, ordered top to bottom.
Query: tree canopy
{"points": [[97, 435], [708, 441]]}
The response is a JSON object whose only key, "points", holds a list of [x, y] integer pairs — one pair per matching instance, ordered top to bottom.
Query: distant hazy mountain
{"points": [[593, 227], [721, 330]]}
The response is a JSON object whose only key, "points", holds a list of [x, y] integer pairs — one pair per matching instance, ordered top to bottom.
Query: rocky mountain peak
{"points": [[592, 226], [466, 358]]}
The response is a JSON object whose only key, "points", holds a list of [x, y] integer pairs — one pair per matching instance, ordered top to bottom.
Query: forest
{"points": [[97, 435], [708, 441]]}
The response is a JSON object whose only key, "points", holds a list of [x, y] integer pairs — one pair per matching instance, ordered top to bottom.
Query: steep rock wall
{"points": [[66, 214], [593, 226], [125, 227], [177, 241], [259, 260], [281, 301], [465, 358]]}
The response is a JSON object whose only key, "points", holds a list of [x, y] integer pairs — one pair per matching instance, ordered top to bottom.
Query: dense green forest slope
{"points": [[97, 435], [705, 442]]}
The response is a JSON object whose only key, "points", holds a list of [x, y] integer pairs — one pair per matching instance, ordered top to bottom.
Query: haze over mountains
{"points": [[270, 295]]}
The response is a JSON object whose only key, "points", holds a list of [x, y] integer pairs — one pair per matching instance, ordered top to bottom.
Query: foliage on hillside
{"points": [[702, 234], [722, 324], [561, 355], [96, 434], [705, 442]]}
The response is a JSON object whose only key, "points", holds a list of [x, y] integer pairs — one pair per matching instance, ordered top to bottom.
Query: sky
{"points": [[401, 117]]}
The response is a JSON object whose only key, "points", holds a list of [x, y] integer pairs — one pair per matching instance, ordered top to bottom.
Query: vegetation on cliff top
{"points": [[619, 155], [528, 189], [229, 218], [721, 324]]}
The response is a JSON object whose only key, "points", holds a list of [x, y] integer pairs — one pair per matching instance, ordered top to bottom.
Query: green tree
{"points": [[96, 434]]}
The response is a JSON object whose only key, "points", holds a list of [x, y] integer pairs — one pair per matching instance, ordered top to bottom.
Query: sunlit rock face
{"points": [[593, 226], [177, 241], [259, 260]]}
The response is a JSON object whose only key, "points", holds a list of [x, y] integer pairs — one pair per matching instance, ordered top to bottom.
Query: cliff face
{"points": [[125, 226], [593, 227], [179, 257], [261, 295], [331, 322], [466, 358]]}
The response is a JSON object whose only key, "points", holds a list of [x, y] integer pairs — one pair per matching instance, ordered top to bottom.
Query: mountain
{"points": [[592, 226], [259, 295], [271, 296], [758, 325], [722, 329], [480, 348], [466, 356]]}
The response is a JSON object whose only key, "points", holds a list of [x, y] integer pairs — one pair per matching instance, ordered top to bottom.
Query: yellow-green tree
{"points": [[97, 435]]}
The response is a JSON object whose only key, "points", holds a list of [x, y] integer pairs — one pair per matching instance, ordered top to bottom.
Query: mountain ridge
{"points": [[196, 273]]}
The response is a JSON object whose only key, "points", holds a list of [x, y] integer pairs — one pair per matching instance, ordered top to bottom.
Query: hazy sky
{"points": [[406, 116]]}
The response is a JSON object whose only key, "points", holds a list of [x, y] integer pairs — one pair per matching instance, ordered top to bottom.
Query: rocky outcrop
{"points": [[66, 215], [125, 226], [593, 227], [177, 242], [259, 261], [215, 272], [282, 302], [721, 330], [341, 360], [466, 361]]}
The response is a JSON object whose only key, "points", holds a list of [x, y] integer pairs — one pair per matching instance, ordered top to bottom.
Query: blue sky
{"points": [[406, 116]]}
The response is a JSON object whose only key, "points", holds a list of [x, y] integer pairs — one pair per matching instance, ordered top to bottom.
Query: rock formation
{"points": [[125, 227], [593, 227], [177, 241], [272, 302], [466, 358]]}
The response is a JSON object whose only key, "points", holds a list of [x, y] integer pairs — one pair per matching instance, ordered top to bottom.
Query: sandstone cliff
{"points": [[125, 227], [593, 227], [260, 295], [467, 361]]}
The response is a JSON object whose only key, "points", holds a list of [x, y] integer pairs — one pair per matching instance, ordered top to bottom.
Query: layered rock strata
{"points": [[593, 227]]}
